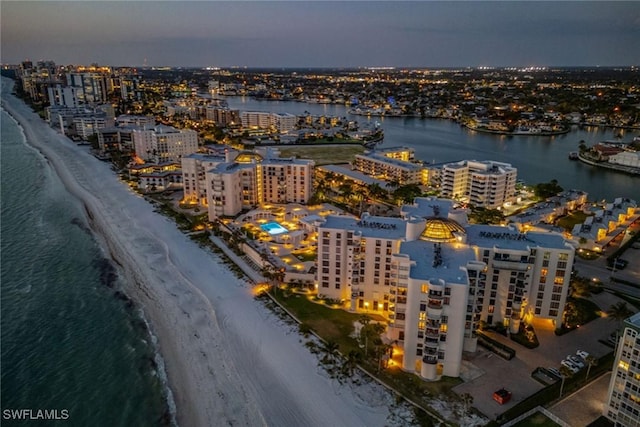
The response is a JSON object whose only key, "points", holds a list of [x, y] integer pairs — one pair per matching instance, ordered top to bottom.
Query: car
{"points": [[618, 264], [583, 354], [576, 361], [570, 366], [555, 371], [502, 396]]}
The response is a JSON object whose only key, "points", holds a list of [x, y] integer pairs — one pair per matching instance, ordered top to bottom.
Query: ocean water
{"points": [[70, 339]]}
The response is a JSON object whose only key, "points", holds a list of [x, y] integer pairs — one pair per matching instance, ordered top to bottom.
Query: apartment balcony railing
{"points": [[511, 265], [435, 303], [434, 314], [431, 323], [431, 342], [431, 360]]}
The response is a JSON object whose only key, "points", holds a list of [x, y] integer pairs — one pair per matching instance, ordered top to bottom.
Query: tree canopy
{"points": [[544, 190]]}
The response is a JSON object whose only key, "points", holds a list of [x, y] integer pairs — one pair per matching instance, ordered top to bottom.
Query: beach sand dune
{"points": [[229, 361]]}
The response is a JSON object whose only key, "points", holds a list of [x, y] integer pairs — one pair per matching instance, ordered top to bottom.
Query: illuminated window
{"points": [[623, 365]]}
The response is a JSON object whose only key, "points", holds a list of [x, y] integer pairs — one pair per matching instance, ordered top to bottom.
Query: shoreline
{"points": [[499, 132], [630, 170], [229, 360], [187, 398]]}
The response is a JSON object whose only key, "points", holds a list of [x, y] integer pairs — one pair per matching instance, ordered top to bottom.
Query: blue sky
{"points": [[322, 34]]}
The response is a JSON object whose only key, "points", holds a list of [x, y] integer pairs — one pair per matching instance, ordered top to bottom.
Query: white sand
{"points": [[229, 361]]}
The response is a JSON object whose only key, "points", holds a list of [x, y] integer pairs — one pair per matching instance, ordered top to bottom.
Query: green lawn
{"points": [[323, 154], [569, 221], [305, 255], [329, 323], [336, 325], [537, 419]]}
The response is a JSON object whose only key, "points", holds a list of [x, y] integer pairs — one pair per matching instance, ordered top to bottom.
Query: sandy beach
{"points": [[229, 361]]}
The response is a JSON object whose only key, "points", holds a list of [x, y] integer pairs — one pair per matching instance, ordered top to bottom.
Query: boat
{"points": [[573, 155]]}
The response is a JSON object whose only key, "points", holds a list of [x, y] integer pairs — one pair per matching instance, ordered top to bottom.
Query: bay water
{"points": [[537, 158], [71, 339]]}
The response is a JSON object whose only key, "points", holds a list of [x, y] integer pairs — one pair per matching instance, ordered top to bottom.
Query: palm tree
{"points": [[619, 312], [365, 321], [331, 350], [381, 350], [591, 361], [351, 362], [564, 373], [467, 401]]}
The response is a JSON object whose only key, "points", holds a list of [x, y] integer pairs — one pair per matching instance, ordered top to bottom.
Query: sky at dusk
{"points": [[322, 34]]}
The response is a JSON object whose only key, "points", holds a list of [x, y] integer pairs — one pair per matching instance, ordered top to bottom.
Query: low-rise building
{"points": [[391, 166], [606, 222]]}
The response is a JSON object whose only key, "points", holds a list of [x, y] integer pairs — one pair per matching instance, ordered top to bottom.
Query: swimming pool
{"points": [[273, 228]]}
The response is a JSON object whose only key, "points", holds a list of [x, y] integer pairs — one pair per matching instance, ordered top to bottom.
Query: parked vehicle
{"points": [[583, 354], [576, 361], [569, 365], [555, 372], [502, 396]]}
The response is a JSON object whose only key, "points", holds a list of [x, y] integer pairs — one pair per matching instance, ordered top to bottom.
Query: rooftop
{"points": [[369, 226], [441, 230], [510, 238], [453, 257]]}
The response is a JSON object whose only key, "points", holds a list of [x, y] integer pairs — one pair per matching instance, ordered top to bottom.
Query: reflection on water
{"points": [[538, 158]]}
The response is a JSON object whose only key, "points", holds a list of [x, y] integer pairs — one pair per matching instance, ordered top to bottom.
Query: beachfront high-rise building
{"points": [[91, 88], [62, 96], [164, 143], [194, 169], [251, 180], [485, 184], [435, 277], [623, 405]]}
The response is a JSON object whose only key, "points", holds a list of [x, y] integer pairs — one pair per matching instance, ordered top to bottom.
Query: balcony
{"points": [[510, 265], [435, 303], [434, 314], [433, 323], [432, 333], [431, 342], [431, 360]]}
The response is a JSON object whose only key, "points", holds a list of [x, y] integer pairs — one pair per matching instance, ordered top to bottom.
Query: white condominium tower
{"points": [[164, 143], [194, 169], [251, 180], [485, 184], [434, 277], [623, 405]]}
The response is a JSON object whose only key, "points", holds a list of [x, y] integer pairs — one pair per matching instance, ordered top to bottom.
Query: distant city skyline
{"points": [[322, 34]]}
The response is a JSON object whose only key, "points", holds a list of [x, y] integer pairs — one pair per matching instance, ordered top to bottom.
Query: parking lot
{"points": [[485, 372]]}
